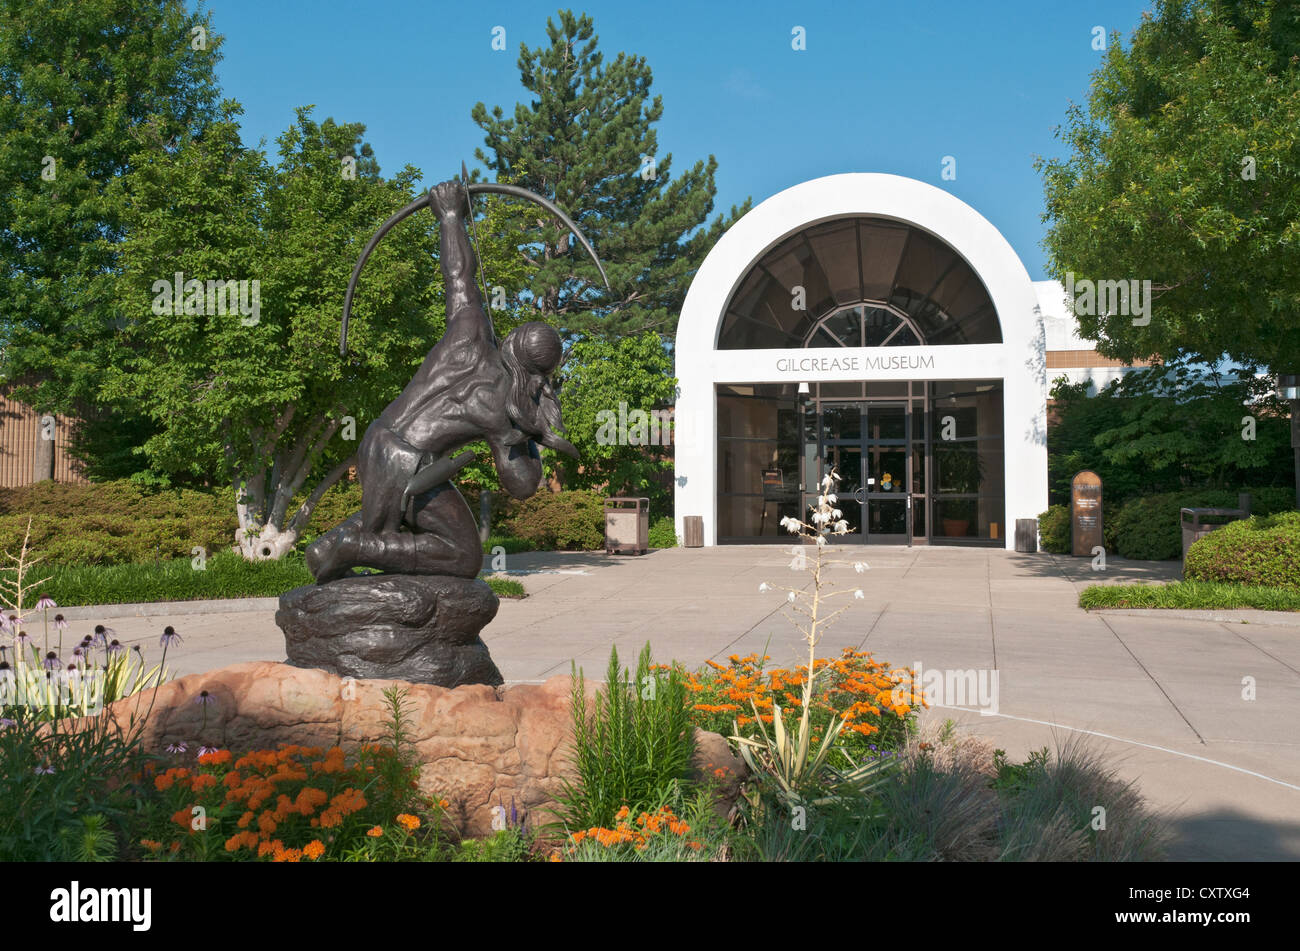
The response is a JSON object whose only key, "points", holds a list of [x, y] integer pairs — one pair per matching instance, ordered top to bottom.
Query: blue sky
{"points": [[882, 86]]}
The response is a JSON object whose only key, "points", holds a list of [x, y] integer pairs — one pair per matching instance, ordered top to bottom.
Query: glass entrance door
{"points": [[886, 434], [867, 444]]}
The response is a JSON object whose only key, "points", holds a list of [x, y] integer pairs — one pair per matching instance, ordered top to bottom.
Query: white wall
{"points": [[1019, 360]]}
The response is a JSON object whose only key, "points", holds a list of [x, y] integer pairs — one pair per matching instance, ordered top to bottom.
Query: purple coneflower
{"points": [[45, 603], [60, 623], [102, 634], [169, 637], [23, 638], [115, 647], [78, 653], [51, 661], [205, 699], [5, 721], [176, 748], [205, 750], [44, 770]]}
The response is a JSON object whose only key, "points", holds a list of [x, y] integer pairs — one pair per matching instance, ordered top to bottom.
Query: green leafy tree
{"points": [[84, 86], [587, 141], [1185, 170], [616, 396], [265, 400], [1169, 427]]}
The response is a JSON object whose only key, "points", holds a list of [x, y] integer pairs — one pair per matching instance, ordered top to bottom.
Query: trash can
{"points": [[627, 525], [693, 531], [1027, 535]]}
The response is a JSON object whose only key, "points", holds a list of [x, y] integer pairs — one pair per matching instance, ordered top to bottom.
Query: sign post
{"points": [[1085, 513]]}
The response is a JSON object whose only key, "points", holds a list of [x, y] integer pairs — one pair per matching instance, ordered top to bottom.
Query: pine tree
{"points": [[587, 141]]}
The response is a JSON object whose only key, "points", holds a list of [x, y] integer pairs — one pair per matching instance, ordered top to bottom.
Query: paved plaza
{"points": [[1161, 691]]}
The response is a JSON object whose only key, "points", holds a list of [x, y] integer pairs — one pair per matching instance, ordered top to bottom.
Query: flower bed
{"points": [[876, 702]]}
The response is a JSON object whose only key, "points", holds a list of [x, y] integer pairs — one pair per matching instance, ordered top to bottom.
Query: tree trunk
{"points": [[269, 544]]}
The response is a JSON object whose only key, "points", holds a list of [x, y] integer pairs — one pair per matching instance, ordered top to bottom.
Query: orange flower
{"points": [[215, 758], [622, 814], [182, 818], [408, 822], [376, 832], [151, 845], [314, 849]]}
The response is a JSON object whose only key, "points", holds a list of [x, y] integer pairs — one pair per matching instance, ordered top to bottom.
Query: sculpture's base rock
{"points": [[421, 628], [478, 746]]}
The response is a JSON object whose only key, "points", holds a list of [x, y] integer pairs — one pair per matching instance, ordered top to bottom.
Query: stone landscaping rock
{"points": [[420, 628], [479, 746]]}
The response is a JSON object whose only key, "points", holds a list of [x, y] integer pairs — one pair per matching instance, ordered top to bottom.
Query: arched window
{"points": [[859, 282]]}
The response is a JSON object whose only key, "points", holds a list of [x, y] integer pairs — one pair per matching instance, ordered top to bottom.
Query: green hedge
{"points": [[572, 520], [113, 523], [1148, 528], [1054, 529], [1260, 551]]}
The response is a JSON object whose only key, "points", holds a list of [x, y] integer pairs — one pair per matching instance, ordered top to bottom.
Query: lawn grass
{"points": [[226, 575], [1189, 595]]}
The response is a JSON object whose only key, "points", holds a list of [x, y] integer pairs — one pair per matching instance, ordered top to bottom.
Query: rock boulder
{"points": [[419, 628]]}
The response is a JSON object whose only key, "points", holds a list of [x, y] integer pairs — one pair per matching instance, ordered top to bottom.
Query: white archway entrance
{"points": [[872, 322]]}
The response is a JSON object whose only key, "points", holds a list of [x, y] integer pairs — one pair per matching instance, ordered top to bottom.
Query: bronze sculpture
{"points": [[414, 523]]}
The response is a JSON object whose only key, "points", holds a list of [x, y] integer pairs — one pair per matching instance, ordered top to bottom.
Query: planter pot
{"points": [[955, 527]]}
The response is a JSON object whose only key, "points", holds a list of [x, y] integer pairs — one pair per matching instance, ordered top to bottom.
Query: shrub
{"points": [[340, 501], [573, 520], [114, 523], [1148, 528], [1054, 529], [663, 533], [1261, 550], [633, 749]]}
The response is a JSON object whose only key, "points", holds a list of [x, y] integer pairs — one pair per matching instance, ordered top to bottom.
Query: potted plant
{"points": [[962, 472]]}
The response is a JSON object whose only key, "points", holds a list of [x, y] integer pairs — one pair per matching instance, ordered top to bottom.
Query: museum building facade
{"points": [[874, 324]]}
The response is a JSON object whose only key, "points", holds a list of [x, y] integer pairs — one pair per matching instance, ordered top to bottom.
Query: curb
{"points": [[96, 612], [1258, 616]]}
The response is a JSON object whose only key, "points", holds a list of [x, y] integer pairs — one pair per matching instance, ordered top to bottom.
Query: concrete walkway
{"points": [[1162, 692]]}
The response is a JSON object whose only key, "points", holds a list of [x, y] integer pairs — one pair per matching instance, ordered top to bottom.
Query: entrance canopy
{"points": [[849, 281]]}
